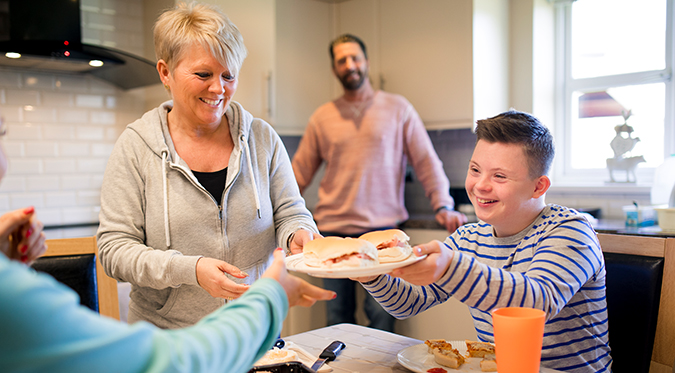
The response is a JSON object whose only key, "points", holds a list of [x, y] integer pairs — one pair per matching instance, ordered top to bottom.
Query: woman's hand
{"points": [[21, 236], [300, 238], [429, 269], [211, 277], [299, 291]]}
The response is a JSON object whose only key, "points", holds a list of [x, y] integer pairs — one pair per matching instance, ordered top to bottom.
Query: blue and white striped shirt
{"points": [[555, 265]]}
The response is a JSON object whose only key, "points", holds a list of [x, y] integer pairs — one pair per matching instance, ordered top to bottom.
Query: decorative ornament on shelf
{"points": [[622, 144]]}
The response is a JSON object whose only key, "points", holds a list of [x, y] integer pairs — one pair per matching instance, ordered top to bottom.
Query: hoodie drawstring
{"points": [[250, 171], [166, 200]]}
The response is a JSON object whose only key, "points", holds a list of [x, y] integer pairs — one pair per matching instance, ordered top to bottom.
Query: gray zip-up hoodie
{"points": [[156, 220]]}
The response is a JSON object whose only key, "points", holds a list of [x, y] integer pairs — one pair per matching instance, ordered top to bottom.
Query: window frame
{"points": [[562, 173]]}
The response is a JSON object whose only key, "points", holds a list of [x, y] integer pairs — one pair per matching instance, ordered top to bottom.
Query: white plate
{"points": [[297, 263], [418, 359]]}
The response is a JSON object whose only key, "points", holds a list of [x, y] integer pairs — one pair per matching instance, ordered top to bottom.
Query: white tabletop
{"points": [[368, 350]]}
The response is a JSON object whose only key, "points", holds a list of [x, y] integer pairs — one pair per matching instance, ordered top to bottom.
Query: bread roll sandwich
{"points": [[392, 244], [337, 252]]}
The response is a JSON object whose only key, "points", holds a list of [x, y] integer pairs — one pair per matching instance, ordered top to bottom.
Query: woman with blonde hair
{"points": [[197, 193]]}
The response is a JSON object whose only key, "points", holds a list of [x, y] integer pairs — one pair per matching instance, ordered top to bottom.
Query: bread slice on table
{"points": [[479, 349], [444, 353], [489, 363]]}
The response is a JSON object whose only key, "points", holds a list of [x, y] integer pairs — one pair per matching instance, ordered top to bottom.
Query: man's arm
{"points": [[307, 158], [429, 169]]}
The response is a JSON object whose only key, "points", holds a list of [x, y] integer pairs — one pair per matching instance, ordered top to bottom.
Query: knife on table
{"points": [[328, 354]]}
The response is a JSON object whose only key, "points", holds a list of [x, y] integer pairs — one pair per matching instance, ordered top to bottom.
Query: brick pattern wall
{"points": [[62, 127]]}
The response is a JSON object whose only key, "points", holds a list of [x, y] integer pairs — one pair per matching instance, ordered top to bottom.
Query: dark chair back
{"points": [[76, 271], [633, 295]]}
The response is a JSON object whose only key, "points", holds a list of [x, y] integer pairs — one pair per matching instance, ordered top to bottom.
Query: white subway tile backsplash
{"points": [[10, 78], [34, 80], [71, 83], [101, 87], [19, 97], [58, 99], [89, 101], [111, 102], [11, 113], [38, 114], [73, 116], [103, 117], [62, 127], [25, 131], [58, 132], [89, 133], [13, 148], [41, 149], [74, 149], [102, 150], [92, 165], [24, 166], [60, 166], [97, 181], [77, 182], [11, 183], [42, 183], [89, 198], [60, 199], [21, 200], [4, 203], [74, 215], [49, 216]]}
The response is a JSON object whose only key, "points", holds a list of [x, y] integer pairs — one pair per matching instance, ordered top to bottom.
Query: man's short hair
{"points": [[346, 38], [515, 127]]}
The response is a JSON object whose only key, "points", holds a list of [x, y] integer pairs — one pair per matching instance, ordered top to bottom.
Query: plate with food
{"points": [[372, 254], [438, 356]]}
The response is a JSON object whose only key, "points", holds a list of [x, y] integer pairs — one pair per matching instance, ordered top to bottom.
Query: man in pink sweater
{"points": [[366, 138]]}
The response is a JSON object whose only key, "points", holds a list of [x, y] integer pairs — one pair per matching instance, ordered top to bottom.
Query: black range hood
{"points": [[47, 34]]}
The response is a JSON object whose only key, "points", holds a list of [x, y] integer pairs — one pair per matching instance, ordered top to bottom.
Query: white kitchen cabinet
{"points": [[255, 19], [421, 50], [287, 74]]}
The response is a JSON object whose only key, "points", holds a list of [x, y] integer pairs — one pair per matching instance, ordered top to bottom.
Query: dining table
{"points": [[367, 349]]}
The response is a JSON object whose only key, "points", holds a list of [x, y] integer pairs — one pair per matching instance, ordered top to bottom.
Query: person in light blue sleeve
{"points": [[522, 252], [43, 327]]}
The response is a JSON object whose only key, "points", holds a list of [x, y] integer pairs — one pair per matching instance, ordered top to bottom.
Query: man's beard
{"points": [[352, 85]]}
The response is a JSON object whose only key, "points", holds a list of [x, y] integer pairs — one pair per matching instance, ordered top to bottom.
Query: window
{"points": [[617, 97]]}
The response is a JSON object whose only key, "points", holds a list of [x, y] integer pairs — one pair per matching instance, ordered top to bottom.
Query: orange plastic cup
{"points": [[519, 333]]}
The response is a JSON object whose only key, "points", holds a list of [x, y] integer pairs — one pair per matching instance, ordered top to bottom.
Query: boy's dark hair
{"points": [[346, 38], [515, 127]]}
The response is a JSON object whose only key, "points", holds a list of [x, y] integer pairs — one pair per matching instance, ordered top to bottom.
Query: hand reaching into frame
{"points": [[21, 236], [299, 292]]}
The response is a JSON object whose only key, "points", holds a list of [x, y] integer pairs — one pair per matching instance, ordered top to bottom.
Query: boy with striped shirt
{"points": [[521, 253]]}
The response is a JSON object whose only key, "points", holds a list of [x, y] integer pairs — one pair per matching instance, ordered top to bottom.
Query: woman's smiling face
{"points": [[200, 86], [500, 188]]}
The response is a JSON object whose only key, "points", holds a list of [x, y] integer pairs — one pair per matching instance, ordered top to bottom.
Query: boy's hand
{"points": [[429, 269]]}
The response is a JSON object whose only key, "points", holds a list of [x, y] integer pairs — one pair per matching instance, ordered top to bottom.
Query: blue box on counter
{"points": [[640, 216]]}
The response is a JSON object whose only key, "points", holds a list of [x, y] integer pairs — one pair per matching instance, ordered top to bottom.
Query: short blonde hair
{"points": [[178, 28]]}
